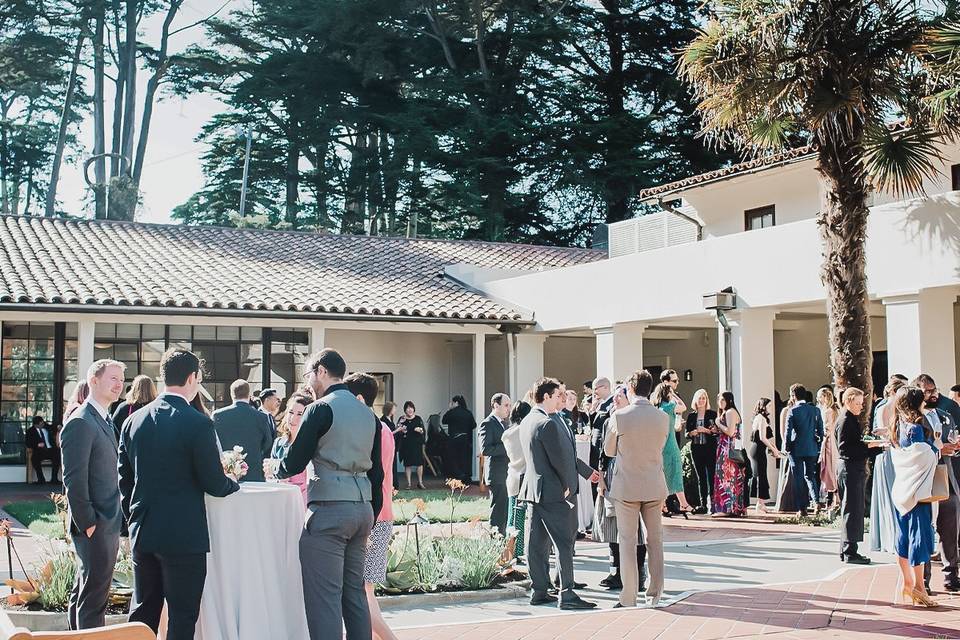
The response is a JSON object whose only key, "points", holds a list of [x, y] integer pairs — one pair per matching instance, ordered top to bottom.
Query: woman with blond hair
{"points": [[142, 392], [702, 431], [829, 455]]}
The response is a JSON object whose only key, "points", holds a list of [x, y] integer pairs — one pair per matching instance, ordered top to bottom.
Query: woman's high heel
{"points": [[923, 599]]}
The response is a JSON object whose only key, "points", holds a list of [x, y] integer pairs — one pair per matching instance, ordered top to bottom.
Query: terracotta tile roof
{"points": [[763, 162], [50, 261]]}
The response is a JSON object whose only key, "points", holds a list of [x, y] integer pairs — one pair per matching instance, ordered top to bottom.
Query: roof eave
{"points": [[255, 313]]}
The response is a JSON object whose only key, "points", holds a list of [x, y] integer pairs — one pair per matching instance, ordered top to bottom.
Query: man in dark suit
{"points": [[270, 404], [241, 424], [803, 437], [43, 446], [495, 458], [168, 461], [90, 480], [550, 483]]}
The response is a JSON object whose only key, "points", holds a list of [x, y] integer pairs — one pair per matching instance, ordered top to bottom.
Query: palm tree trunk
{"points": [[842, 223]]}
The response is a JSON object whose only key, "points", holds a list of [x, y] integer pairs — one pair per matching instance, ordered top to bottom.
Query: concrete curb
{"points": [[423, 600], [50, 620]]}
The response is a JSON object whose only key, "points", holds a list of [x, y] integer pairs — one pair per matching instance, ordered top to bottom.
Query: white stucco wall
{"points": [[571, 359]]}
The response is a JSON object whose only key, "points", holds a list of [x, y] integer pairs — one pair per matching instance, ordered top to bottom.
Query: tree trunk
{"points": [[129, 61], [119, 89], [99, 143], [617, 148], [392, 164], [292, 174], [374, 174], [321, 186], [493, 188], [416, 198], [51, 200], [353, 212], [842, 222]]}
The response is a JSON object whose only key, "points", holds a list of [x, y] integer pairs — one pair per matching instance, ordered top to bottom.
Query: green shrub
{"points": [[475, 559], [457, 562], [57, 579]]}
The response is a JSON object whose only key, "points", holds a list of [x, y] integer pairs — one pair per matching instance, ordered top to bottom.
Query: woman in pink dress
{"points": [[287, 433], [829, 453]]}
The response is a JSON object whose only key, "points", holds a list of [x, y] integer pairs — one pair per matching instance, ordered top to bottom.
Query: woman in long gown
{"points": [[664, 399], [829, 454], [729, 483], [785, 500], [883, 530]]}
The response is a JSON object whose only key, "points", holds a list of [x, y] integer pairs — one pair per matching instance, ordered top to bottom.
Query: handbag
{"points": [[737, 454], [941, 485]]}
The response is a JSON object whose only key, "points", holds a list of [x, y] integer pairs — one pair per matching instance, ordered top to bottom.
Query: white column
{"points": [[85, 333], [920, 334], [317, 337], [751, 346], [619, 350], [528, 363], [723, 383], [479, 392]]}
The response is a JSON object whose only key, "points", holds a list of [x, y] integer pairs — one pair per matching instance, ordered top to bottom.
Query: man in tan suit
{"points": [[636, 435]]}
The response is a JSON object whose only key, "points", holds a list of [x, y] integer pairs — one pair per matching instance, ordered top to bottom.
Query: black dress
{"points": [[120, 415], [461, 425], [411, 446], [704, 451]]}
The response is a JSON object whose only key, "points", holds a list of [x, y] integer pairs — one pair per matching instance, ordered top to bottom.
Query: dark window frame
{"points": [[955, 177], [758, 213]]}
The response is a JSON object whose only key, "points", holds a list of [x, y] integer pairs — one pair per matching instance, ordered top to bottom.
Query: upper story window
{"points": [[955, 177], [759, 218]]}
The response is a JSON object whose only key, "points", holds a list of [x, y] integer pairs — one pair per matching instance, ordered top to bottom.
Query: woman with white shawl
{"points": [[915, 459]]}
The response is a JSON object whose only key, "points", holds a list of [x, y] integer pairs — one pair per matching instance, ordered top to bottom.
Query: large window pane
{"points": [[105, 330], [128, 331], [152, 332], [180, 332], [204, 333], [228, 333], [15, 347], [41, 348], [70, 349], [152, 351], [13, 370], [41, 370]]}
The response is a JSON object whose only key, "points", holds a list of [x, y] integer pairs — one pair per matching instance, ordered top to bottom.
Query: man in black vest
{"points": [[242, 425], [339, 434], [495, 459], [168, 460]]}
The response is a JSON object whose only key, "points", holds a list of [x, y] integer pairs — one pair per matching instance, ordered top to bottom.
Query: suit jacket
{"points": [[943, 421], [271, 422], [241, 424], [804, 430], [635, 436], [35, 438], [491, 445], [89, 451], [551, 457], [168, 460]]}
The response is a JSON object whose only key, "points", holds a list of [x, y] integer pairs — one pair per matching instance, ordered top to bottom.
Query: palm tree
{"points": [[854, 80]]}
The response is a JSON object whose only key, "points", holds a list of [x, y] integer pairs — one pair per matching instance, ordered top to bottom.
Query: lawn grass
{"points": [[438, 506], [39, 516]]}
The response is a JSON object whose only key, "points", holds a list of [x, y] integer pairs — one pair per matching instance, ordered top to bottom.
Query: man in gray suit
{"points": [[241, 424], [490, 435], [634, 437], [89, 446], [551, 483]]}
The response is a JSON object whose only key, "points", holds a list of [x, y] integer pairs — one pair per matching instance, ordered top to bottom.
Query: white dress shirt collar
{"points": [[93, 403]]}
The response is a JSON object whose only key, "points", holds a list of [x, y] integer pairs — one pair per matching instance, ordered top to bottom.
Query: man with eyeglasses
{"points": [[943, 416]]}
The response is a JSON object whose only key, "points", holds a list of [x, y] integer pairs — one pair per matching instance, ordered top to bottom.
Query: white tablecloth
{"points": [[585, 494], [254, 589]]}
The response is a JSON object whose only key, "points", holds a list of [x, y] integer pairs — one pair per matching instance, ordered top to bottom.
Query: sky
{"points": [[172, 170]]}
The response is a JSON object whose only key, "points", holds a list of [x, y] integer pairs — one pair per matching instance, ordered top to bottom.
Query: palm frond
{"points": [[770, 133], [899, 161]]}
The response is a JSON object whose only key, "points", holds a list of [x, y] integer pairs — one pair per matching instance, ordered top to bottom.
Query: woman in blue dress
{"points": [[911, 435]]}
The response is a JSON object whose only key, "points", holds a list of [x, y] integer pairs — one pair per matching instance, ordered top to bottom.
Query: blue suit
{"points": [[803, 437]]}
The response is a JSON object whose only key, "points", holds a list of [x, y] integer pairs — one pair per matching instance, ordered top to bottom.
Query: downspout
{"points": [[665, 207], [727, 361], [512, 363]]}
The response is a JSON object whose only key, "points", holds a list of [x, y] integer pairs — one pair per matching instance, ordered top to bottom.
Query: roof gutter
{"points": [[664, 206], [254, 313]]}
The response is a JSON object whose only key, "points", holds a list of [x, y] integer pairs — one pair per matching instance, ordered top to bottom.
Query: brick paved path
{"points": [[855, 604]]}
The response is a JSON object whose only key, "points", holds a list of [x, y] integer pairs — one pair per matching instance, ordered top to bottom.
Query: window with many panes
{"points": [[759, 218], [38, 368]]}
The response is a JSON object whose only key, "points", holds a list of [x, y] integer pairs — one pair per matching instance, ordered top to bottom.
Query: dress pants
{"points": [[37, 458], [705, 463], [806, 481], [851, 482], [759, 484], [498, 506], [550, 526], [628, 530], [333, 546], [177, 578], [88, 599]]}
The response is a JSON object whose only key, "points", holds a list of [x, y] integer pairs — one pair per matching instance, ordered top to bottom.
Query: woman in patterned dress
{"points": [[730, 481]]}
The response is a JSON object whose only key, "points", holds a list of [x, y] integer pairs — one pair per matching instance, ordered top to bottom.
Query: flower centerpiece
{"points": [[234, 464]]}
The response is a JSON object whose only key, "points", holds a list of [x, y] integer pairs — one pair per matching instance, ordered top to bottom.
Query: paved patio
{"points": [[853, 604]]}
